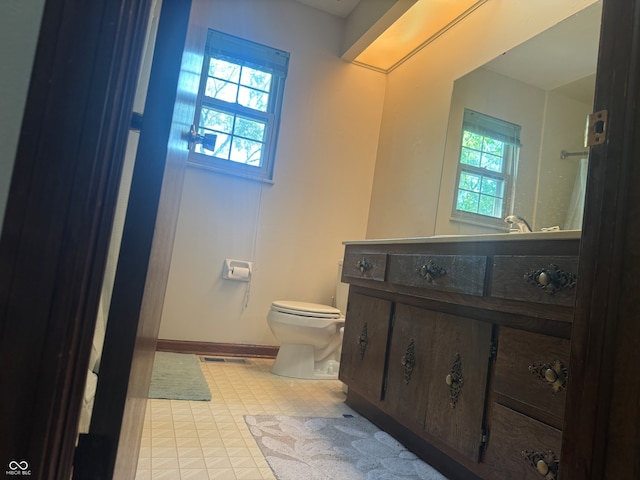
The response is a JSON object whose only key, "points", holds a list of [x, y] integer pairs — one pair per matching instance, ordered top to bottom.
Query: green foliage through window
{"points": [[240, 99], [488, 155]]}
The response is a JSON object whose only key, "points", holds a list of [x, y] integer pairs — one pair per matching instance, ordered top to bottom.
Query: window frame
{"points": [[244, 53], [510, 159]]}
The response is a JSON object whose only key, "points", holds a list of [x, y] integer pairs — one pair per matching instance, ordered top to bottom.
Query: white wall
{"points": [[19, 28], [563, 130], [406, 186], [291, 230]]}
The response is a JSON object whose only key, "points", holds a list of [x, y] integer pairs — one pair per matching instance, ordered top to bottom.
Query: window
{"points": [[239, 101], [486, 169]]}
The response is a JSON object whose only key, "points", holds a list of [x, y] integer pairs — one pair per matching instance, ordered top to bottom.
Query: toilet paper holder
{"points": [[240, 270]]}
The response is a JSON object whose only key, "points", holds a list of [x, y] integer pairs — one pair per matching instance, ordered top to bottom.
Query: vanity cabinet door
{"points": [[363, 265], [439, 273], [533, 278], [364, 345], [409, 359], [532, 369], [457, 382], [520, 447]]}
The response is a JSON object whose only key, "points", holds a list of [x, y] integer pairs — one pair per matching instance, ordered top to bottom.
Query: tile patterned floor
{"points": [[188, 440]]}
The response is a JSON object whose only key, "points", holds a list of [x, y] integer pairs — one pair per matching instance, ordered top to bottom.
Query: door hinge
{"points": [[136, 121], [597, 128], [493, 350], [483, 438]]}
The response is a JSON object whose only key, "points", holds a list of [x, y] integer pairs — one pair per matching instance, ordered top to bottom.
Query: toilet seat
{"points": [[305, 309]]}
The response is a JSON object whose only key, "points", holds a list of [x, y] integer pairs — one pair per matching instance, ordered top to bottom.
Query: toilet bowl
{"points": [[310, 336]]}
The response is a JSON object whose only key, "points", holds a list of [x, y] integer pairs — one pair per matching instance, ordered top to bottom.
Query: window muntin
{"points": [[240, 100], [486, 168]]}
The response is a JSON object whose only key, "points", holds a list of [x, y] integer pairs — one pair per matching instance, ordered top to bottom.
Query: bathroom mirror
{"points": [[545, 86]]}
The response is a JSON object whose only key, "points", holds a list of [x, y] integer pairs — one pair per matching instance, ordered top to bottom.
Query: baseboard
{"points": [[217, 349]]}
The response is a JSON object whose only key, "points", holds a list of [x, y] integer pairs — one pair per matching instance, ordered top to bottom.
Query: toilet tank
{"points": [[342, 291]]}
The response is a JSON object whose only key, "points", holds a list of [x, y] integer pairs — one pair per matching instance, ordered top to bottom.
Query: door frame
{"points": [[58, 221], [601, 433], [111, 447]]}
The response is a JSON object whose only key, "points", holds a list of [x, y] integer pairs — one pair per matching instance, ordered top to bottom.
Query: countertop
{"points": [[487, 237]]}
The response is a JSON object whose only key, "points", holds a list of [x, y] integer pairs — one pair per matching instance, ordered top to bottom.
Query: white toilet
{"points": [[310, 336]]}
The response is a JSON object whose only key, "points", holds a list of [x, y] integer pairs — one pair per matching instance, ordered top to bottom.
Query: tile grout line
{"points": [[225, 447]]}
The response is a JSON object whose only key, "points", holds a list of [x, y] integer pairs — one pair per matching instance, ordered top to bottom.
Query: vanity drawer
{"points": [[364, 265], [447, 273], [539, 279], [522, 369], [516, 444]]}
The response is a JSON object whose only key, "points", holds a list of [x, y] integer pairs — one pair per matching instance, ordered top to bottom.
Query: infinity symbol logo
{"points": [[23, 465]]}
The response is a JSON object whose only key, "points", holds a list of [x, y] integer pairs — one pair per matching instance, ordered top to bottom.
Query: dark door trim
{"points": [[58, 221], [601, 434], [110, 450]]}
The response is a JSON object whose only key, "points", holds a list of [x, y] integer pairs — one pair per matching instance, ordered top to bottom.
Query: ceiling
{"points": [[339, 8], [394, 29], [564, 57], [542, 61]]}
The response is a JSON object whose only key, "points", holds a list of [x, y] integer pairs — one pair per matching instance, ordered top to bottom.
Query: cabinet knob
{"points": [[364, 265], [430, 271], [544, 278], [551, 279], [555, 374], [550, 375], [545, 463], [542, 467]]}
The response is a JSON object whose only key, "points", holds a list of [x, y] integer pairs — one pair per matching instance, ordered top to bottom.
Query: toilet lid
{"points": [[305, 309]]}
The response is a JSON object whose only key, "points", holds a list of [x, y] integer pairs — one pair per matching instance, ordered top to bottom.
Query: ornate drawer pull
{"points": [[364, 265], [430, 271], [551, 279], [363, 340], [408, 361], [555, 374], [455, 381], [546, 463]]}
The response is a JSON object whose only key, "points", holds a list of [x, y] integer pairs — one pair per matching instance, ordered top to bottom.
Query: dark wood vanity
{"points": [[459, 346]]}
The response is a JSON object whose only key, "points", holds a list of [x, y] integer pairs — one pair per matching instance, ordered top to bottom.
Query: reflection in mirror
{"points": [[545, 87]]}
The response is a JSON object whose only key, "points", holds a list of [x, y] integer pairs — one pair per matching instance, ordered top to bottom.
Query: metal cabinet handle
{"points": [[364, 265], [430, 271], [551, 279], [363, 340], [408, 361], [555, 374], [455, 381], [545, 463]]}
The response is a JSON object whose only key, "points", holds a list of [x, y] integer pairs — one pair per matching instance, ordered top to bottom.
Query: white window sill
{"points": [[224, 171], [479, 223]]}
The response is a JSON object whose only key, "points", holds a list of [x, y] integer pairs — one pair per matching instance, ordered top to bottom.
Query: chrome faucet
{"points": [[521, 223]]}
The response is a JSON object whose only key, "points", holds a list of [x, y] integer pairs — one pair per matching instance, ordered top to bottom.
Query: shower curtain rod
{"points": [[564, 154]]}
